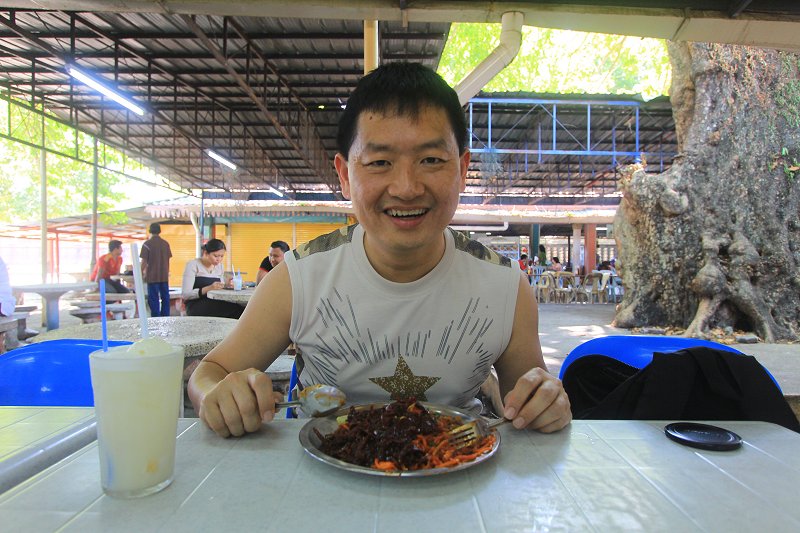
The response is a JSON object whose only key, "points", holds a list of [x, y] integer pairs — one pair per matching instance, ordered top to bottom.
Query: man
{"points": [[276, 252], [155, 256], [523, 262], [108, 265], [397, 305]]}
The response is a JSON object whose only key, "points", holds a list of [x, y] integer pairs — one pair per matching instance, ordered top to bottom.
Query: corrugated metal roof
{"points": [[265, 91]]}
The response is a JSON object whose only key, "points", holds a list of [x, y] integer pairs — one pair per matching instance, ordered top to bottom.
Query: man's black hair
{"points": [[404, 88], [155, 228], [113, 244], [280, 244]]}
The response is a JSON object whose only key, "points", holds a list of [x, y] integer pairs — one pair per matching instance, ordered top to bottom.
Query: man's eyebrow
{"points": [[438, 144]]}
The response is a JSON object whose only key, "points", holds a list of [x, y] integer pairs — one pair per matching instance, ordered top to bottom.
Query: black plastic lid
{"points": [[703, 436]]}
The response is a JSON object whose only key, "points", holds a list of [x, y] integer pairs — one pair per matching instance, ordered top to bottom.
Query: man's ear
{"points": [[464, 162], [344, 176]]}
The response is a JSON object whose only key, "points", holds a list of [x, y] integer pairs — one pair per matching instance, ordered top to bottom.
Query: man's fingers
{"points": [[261, 385], [525, 387], [538, 401], [230, 412], [211, 415]]}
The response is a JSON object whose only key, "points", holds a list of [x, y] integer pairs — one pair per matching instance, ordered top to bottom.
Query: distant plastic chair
{"points": [[637, 350], [49, 373]]}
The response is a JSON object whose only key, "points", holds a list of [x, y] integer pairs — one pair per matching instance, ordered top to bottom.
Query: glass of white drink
{"points": [[137, 389]]}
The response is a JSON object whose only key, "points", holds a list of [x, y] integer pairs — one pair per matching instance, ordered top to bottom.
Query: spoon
{"points": [[316, 400]]}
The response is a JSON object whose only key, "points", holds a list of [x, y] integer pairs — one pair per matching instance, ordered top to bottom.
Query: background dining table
{"points": [[51, 293], [229, 295], [591, 476]]}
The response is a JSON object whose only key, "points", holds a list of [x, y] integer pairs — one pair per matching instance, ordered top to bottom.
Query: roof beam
{"points": [[771, 27]]}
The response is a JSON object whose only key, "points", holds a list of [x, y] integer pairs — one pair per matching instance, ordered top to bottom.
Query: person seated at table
{"points": [[276, 252], [108, 265], [555, 265], [205, 274], [7, 300], [397, 305]]}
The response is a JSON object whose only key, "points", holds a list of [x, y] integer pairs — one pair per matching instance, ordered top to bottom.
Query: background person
{"points": [[276, 252], [542, 255], [155, 256], [109, 265], [205, 274], [7, 300], [369, 305]]}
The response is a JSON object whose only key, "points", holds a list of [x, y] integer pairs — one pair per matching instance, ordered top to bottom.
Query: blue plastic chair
{"points": [[637, 350], [51, 373], [292, 385]]}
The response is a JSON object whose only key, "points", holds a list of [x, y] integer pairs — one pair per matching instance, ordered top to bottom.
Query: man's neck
{"points": [[404, 267]]}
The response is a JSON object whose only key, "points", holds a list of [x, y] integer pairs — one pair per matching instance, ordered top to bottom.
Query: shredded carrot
{"points": [[442, 453], [384, 465]]}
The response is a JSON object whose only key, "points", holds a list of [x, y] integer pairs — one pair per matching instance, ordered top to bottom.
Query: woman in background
{"points": [[205, 274]]}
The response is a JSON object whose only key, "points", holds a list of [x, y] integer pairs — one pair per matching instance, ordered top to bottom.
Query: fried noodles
{"points": [[400, 436]]}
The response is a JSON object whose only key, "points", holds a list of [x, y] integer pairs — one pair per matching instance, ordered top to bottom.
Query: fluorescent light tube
{"points": [[105, 91], [222, 160], [276, 191]]}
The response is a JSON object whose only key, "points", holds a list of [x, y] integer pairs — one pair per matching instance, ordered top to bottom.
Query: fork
{"points": [[468, 433]]}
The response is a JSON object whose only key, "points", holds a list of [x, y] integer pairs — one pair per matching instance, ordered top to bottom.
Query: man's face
{"points": [[404, 177], [116, 252], [275, 256]]}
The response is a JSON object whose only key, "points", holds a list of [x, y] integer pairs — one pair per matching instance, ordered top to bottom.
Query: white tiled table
{"points": [[33, 438], [593, 476]]}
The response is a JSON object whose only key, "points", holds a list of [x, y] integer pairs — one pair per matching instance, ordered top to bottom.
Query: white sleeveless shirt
{"points": [[435, 338]]}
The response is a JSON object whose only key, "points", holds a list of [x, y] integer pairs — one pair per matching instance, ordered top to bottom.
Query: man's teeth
{"points": [[406, 213]]}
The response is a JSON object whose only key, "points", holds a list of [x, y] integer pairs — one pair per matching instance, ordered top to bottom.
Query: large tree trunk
{"points": [[715, 240]]}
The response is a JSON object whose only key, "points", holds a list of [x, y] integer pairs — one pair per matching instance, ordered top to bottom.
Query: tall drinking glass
{"points": [[137, 391]]}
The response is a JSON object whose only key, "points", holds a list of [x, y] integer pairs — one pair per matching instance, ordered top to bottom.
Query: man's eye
{"points": [[432, 160], [378, 163]]}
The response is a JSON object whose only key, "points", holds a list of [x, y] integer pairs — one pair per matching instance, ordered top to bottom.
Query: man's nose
{"points": [[407, 183]]}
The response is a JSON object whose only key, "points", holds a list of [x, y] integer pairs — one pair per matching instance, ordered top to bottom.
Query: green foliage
{"points": [[561, 61], [787, 95], [788, 162], [69, 180]]}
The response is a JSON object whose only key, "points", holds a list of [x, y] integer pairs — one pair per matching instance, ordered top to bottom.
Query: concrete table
{"points": [[51, 293], [228, 295], [197, 334]]}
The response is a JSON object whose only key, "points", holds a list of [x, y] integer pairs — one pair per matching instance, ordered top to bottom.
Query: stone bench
{"points": [[89, 314], [7, 325]]}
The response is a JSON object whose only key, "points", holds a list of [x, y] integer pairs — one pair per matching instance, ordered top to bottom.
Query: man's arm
{"points": [[260, 275], [229, 388], [532, 397]]}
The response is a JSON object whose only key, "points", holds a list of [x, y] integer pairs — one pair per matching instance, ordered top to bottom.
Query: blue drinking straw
{"points": [[103, 319]]}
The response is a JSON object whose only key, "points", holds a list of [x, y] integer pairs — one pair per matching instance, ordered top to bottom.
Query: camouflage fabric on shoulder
{"points": [[325, 242], [478, 250]]}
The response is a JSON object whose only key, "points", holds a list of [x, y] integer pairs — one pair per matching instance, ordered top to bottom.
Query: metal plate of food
{"points": [[311, 442]]}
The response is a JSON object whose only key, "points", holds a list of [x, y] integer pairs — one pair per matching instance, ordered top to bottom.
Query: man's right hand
{"points": [[239, 403]]}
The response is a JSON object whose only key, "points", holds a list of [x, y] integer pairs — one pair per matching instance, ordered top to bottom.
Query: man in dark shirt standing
{"points": [[155, 256]]}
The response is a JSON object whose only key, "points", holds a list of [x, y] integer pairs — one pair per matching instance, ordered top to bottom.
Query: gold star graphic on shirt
{"points": [[404, 384]]}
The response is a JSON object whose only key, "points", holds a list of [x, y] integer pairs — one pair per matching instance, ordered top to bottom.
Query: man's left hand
{"points": [[538, 401]]}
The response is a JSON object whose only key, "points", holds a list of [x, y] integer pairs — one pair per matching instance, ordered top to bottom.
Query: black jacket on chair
{"points": [[692, 384]]}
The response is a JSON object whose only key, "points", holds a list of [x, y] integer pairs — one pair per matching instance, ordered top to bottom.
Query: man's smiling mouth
{"points": [[405, 213]]}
